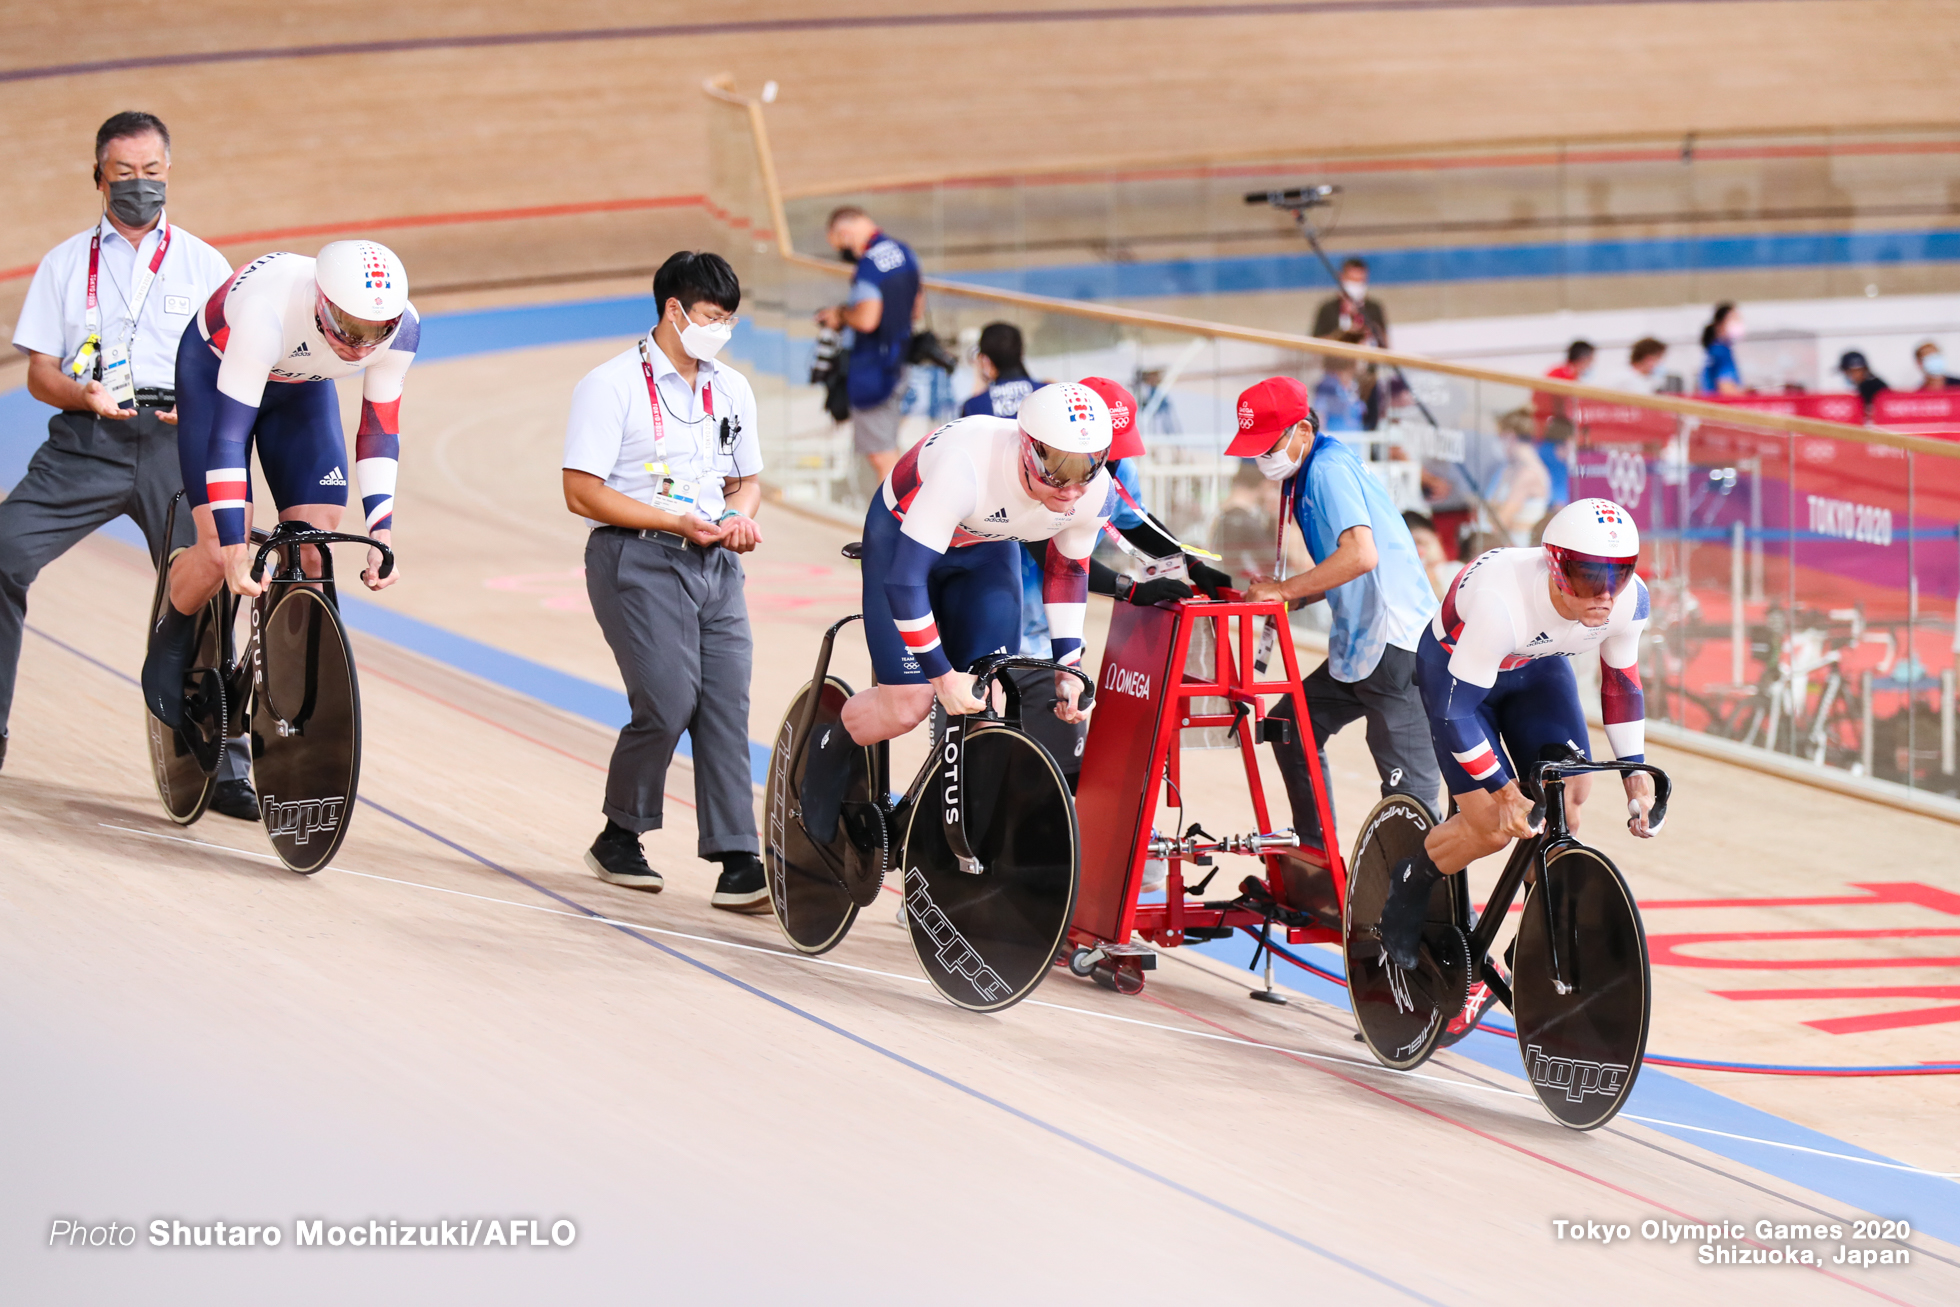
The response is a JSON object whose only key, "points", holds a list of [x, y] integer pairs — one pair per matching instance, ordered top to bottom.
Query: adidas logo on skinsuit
{"points": [[301, 352], [334, 478], [998, 515], [1543, 637]]}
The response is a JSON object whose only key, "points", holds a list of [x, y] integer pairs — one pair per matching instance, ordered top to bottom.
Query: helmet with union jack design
{"points": [[363, 292], [1065, 434], [1592, 546]]}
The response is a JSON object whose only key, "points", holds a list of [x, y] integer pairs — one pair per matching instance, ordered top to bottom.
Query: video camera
{"points": [[1297, 197]]}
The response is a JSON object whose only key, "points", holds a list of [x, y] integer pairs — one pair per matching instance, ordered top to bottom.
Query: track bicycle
{"points": [[292, 686], [986, 838], [1578, 984]]}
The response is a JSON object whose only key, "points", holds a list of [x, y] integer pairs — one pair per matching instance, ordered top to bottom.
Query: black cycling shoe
{"points": [[173, 643], [3, 751], [827, 768], [235, 799], [616, 858], [742, 886], [1406, 908]]}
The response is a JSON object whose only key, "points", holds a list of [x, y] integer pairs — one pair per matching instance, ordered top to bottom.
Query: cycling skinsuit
{"points": [[253, 364], [942, 579], [1495, 665]]}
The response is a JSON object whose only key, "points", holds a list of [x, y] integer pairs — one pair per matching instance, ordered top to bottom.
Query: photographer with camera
{"points": [[886, 299]]}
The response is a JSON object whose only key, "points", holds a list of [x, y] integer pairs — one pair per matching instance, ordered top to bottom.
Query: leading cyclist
{"points": [[259, 363], [942, 578], [1495, 666]]}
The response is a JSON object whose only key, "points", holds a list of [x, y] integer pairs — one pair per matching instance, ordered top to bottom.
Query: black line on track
{"points": [[846, 23], [1028, 1118]]}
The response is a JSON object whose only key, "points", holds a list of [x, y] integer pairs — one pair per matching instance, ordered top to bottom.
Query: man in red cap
{"points": [[1367, 569], [1169, 574]]}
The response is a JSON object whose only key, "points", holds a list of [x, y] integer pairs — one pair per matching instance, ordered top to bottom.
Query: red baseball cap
{"points": [[1265, 410], [1125, 441]]}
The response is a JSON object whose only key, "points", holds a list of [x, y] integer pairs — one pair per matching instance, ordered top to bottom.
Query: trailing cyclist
{"points": [[258, 363], [942, 580], [1496, 678]]}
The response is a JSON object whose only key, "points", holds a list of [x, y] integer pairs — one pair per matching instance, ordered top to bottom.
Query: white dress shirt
{"points": [[54, 317], [610, 431]]}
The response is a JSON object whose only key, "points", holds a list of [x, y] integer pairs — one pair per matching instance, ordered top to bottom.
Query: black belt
{"points": [[155, 397], [671, 539]]}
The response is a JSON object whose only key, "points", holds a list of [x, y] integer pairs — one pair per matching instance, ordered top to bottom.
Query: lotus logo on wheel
{"points": [[303, 818], [1575, 1076]]}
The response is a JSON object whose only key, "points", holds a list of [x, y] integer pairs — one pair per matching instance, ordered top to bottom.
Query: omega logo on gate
{"points": [[1124, 681]]}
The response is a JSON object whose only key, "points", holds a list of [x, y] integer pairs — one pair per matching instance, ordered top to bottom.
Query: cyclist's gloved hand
{"points": [[1207, 578], [1157, 590]]}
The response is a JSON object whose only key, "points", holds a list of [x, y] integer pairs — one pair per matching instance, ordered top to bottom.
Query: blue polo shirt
{"points": [[889, 273], [1390, 605]]}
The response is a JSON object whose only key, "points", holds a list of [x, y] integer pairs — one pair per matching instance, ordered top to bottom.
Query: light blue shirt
{"points": [[53, 317], [1389, 605]]}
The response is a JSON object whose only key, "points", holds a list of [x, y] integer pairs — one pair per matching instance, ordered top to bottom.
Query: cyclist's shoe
{"points": [[173, 643], [3, 750], [827, 768], [235, 799], [615, 858], [743, 886], [1406, 908]]}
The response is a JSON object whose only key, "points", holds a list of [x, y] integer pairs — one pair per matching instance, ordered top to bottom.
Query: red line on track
{"points": [[1491, 1138]]}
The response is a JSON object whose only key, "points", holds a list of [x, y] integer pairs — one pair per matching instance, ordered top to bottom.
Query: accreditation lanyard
{"points": [[139, 289], [653, 401]]}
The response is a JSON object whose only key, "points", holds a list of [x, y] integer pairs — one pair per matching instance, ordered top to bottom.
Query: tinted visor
{"points": [[356, 333], [1059, 467], [1588, 576]]}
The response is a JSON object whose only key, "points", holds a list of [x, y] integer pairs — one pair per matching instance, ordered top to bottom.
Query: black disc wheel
{"points": [[306, 728], [178, 757], [817, 889], [987, 938], [1581, 989], [1401, 1014]]}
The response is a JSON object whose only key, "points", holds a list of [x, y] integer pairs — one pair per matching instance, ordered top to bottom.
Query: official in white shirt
{"points": [[100, 328], [662, 460]]}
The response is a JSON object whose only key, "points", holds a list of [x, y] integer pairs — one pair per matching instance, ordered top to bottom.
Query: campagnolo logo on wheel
{"points": [[1124, 681], [303, 818], [954, 954], [1574, 1075]]}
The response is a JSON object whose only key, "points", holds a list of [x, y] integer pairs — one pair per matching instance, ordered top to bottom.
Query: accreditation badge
{"points": [[118, 377], [671, 494]]}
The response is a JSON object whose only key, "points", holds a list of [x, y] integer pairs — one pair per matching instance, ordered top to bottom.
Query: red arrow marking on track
{"points": [[1665, 950], [1926, 1016]]}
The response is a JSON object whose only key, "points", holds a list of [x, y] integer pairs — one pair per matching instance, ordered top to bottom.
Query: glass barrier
{"points": [[1803, 585]]}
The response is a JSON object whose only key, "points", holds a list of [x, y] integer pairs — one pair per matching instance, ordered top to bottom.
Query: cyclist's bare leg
{"points": [[321, 517], [199, 571], [885, 712], [1478, 828]]}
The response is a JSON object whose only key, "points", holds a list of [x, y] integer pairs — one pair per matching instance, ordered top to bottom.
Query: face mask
{"points": [[136, 201], [845, 256], [1355, 290], [1734, 331], [701, 342], [1933, 365], [1279, 464]]}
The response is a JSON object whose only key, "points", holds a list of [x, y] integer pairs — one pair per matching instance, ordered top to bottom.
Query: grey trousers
{"points": [[89, 472], [678, 624], [1398, 735]]}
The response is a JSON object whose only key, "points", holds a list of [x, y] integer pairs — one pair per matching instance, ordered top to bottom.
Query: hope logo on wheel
{"points": [[302, 819]]}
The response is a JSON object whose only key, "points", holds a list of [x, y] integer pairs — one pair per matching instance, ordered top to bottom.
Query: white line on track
{"points": [[1352, 1063]]}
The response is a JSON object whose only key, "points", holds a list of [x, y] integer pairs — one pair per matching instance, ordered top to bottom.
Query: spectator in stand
{"points": [[886, 299], [1352, 310], [1646, 364], [1932, 367], [1857, 370], [1719, 375], [1004, 379], [1337, 395], [1554, 418], [1441, 568]]}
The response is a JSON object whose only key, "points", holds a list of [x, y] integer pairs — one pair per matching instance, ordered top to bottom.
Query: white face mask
{"points": [[1355, 290], [703, 342], [1933, 365], [1279, 464]]}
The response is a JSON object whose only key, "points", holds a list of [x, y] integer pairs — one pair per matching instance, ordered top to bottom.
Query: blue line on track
{"points": [[1019, 1114]]}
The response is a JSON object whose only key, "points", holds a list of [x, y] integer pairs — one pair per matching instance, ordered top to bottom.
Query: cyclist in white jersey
{"points": [[257, 367], [942, 574], [1496, 677]]}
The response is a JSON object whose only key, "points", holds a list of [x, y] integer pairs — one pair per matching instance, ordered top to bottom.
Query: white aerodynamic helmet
{"points": [[363, 291], [1065, 434], [1591, 546]]}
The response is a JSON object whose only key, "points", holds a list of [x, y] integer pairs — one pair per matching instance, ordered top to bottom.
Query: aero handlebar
{"points": [[279, 539], [985, 670], [1557, 769]]}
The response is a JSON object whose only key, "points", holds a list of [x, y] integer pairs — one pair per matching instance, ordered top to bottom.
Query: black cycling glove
{"points": [[1207, 578], [1157, 590]]}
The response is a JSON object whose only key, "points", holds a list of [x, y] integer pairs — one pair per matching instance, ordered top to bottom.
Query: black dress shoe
{"points": [[173, 643], [235, 799], [616, 858], [743, 886]]}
